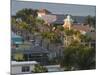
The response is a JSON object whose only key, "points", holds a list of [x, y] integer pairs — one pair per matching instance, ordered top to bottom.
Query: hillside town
{"points": [[45, 42]]}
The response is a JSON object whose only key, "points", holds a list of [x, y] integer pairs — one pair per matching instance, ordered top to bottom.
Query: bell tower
{"points": [[67, 22]]}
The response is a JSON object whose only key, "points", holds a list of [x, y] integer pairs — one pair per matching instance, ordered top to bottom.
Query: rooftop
{"points": [[43, 11], [49, 18], [59, 18], [82, 27], [30, 49], [23, 62]]}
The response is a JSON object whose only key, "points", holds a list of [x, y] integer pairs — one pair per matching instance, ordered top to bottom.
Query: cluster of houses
{"points": [[65, 20], [68, 22], [25, 55]]}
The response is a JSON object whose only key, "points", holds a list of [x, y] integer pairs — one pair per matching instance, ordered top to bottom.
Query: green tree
{"points": [[25, 13], [13, 20], [91, 20], [39, 21], [13, 24], [23, 26], [61, 28], [69, 32], [51, 36], [85, 38], [19, 57], [79, 57], [39, 69]]}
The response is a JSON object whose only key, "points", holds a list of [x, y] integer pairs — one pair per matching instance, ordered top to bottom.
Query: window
{"points": [[25, 69]]}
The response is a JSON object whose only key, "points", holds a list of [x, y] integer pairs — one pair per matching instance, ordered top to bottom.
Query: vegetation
{"points": [[25, 14], [91, 20], [39, 21], [26, 22], [60, 28], [69, 32], [51, 36], [85, 38], [76, 56], [18, 57], [79, 57], [39, 69]]}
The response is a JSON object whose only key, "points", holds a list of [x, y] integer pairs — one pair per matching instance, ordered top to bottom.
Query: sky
{"points": [[56, 8]]}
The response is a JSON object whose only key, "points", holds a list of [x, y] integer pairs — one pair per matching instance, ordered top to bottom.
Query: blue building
{"points": [[16, 39]]}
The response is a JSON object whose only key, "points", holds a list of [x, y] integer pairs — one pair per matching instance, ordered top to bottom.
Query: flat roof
{"points": [[31, 49], [23, 62], [52, 66]]}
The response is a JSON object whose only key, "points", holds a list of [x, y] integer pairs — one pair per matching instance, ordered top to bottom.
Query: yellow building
{"points": [[68, 22]]}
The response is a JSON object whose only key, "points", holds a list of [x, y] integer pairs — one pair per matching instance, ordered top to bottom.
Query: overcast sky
{"points": [[76, 10]]}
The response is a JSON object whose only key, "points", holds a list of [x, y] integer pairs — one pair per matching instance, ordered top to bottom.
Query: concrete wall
{"points": [[17, 69]]}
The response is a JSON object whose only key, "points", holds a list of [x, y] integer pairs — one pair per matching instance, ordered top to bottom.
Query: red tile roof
{"points": [[85, 28]]}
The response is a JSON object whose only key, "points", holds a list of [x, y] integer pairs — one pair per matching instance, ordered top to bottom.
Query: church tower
{"points": [[67, 22]]}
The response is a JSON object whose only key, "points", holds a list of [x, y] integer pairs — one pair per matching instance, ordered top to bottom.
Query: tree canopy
{"points": [[25, 14], [91, 20], [79, 58]]}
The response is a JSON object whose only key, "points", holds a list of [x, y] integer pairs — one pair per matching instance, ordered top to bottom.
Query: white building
{"points": [[22, 67]]}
